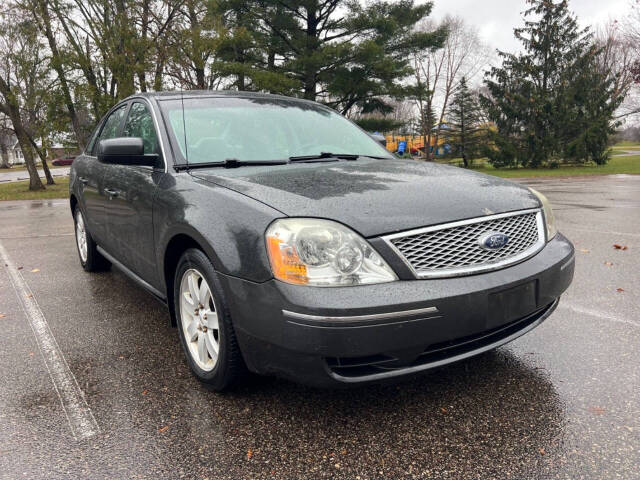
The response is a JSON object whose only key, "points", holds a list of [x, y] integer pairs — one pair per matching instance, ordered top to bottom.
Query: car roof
{"points": [[177, 94]]}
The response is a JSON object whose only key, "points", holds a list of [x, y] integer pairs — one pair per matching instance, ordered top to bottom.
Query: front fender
{"points": [[228, 225]]}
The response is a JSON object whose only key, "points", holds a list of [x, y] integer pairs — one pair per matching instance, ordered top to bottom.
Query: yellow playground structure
{"points": [[415, 143]]}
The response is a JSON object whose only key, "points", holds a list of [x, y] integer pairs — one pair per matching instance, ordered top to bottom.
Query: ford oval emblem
{"points": [[493, 241]]}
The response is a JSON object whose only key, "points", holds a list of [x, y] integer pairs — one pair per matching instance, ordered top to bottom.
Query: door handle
{"points": [[83, 180], [111, 193]]}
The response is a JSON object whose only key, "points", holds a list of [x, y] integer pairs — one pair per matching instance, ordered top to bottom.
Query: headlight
{"points": [[549, 219], [309, 251]]}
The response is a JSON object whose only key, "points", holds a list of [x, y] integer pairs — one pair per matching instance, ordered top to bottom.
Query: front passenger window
{"points": [[140, 124], [111, 127]]}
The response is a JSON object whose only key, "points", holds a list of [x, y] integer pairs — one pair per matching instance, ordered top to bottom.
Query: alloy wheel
{"points": [[81, 237], [199, 319]]}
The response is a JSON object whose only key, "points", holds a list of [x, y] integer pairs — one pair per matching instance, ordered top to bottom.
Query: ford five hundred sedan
{"points": [[286, 241]]}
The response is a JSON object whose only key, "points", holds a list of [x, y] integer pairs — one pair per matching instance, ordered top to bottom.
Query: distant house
{"points": [[15, 154], [16, 157]]}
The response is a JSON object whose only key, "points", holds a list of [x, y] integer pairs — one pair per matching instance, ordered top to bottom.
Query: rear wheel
{"points": [[90, 259], [204, 324]]}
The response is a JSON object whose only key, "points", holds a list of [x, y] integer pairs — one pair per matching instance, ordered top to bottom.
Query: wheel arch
{"points": [[73, 201], [179, 243]]}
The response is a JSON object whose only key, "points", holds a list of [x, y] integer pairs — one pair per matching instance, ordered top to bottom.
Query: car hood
{"points": [[375, 197]]}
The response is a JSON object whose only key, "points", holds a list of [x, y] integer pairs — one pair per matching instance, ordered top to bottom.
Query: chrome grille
{"points": [[453, 249]]}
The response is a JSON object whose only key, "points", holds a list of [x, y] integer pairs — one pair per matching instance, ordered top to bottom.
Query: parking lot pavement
{"points": [[20, 175], [561, 402]]}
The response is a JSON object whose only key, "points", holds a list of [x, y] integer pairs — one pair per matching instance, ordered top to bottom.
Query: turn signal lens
{"points": [[309, 251], [285, 262]]}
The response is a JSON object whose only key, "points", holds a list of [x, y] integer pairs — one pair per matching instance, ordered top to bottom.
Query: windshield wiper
{"points": [[323, 155], [329, 156], [228, 163]]}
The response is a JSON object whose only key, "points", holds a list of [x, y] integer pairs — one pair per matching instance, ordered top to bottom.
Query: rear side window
{"points": [[140, 124], [111, 127]]}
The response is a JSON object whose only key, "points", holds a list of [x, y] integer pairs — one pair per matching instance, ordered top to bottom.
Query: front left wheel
{"points": [[90, 259], [204, 325]]}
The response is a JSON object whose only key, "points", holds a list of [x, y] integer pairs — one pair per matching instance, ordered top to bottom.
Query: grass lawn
{"points": [[627, 144], [624, 147], [617, 165], [20, 190]]}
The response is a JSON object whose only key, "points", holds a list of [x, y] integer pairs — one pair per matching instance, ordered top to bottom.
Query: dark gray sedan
{"points": [[286, 241]]}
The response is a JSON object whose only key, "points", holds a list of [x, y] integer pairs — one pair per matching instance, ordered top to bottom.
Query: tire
{"points": [[90, 259], [205, 332]]}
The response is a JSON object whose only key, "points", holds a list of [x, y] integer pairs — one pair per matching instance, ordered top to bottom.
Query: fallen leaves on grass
{"points": [[619, 247], [608, 264], [20, 268], [35, 270], [619, 289], [30, 295], [2, 315], [145, 391], [597, 410], [163, 429], [542, 451], [249, 454]]}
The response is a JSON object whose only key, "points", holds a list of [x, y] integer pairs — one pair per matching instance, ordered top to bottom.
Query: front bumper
{"points": [[347, 335]]}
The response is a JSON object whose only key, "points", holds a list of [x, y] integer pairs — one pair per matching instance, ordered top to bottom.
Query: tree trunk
{"points": [[141, 53], [198, 60], [56, 63], [122, 69], [310, 71], [157, 78], [12, 110], [429, 131], [463, 136], [23, 140], [4, 156], [43, 159], [45, 169], [34, 179]]}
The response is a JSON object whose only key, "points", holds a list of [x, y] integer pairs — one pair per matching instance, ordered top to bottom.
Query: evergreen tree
{"points": [[343, 53], [536, 99], [591, 102], [464, 131]]}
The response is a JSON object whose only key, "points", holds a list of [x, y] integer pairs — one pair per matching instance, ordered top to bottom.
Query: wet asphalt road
{"points": [[561, 402]]}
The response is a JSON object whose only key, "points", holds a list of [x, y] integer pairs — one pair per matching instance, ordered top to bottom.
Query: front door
{"points": [[91, 175], [130, 191]]}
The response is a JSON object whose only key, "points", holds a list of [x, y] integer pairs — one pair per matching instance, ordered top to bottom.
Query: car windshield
{"points": [[213, 129]]}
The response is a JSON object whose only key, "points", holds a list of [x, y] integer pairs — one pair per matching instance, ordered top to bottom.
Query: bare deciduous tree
{"points": [[618, 56], [14, 60], [438, 72]]}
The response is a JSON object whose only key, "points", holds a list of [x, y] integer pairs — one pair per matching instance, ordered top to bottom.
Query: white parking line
{"points": [[597, 314], [81, 419]]}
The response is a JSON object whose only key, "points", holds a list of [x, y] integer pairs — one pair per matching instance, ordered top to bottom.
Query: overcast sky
{"points": [[495, 19]]}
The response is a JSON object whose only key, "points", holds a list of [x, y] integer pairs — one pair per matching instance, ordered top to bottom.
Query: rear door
{"points": [[91, 174], [131, 190]]}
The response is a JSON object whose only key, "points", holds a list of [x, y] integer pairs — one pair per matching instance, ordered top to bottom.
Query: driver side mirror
{"points": [[125, 151]]}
